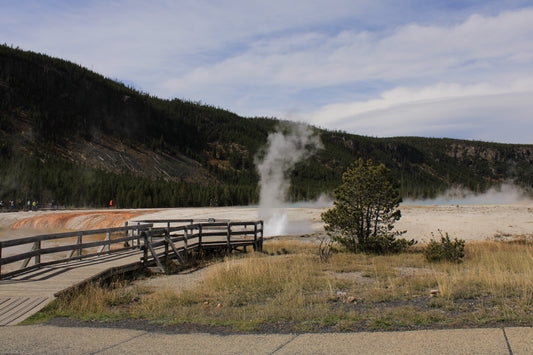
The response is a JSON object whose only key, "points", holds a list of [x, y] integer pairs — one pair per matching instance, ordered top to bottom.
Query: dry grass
{"points": [[491, 268], [248, 291], [349, 292], [93, 302]]}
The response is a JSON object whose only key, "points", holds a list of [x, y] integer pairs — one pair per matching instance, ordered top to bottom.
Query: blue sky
{"points": [[460, 69]]}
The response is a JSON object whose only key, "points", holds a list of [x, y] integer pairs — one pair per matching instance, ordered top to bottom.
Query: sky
{"points": [[458, 69]]}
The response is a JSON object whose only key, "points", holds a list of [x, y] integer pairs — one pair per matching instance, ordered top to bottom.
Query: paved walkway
{"points": [[47, 339]]}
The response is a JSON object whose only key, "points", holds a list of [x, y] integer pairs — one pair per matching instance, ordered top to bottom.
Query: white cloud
{"points": [[409, 53], [372, 67], [401, 96], [481, 112]]}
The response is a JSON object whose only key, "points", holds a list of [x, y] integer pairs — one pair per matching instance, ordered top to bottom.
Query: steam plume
{"points": [[291, 144], [503, 194]]}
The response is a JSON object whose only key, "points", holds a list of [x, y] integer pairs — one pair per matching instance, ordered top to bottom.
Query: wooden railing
{"points": [[176, 239], [176, 242]]}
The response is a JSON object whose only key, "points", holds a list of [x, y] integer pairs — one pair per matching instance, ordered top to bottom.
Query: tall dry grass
{"points": [[281, 246], [490, 268], [293, 285], [251, 290], [93, 302]]}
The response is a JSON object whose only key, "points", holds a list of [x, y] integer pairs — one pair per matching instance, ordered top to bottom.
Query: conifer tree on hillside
{"points": [[365, 210]]}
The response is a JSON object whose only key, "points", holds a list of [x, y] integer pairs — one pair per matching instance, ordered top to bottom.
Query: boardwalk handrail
{"points": [[200, 236], [43, 237], [150, 240], [37, 251]]}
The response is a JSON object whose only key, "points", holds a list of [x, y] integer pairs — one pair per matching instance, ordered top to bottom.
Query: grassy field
{"points": [[291, 289]]}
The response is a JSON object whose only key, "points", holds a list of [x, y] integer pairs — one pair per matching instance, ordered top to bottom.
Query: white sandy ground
{"points": [[469, 222]]}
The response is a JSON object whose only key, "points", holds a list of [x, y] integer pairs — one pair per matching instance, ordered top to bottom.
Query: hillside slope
{"points": [[70, 135]]}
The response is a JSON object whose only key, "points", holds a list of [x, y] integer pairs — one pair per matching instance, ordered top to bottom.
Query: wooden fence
{"points": [[155, 239]]}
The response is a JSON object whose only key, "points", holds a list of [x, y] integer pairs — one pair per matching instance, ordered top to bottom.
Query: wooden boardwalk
{"points": [[28, 290], [26, 294]]}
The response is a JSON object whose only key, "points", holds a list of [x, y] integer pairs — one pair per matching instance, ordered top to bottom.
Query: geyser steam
{"points": [[291, 144], [506, 193]]}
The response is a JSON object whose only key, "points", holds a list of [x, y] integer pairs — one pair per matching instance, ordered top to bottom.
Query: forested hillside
{"points": [[75, 137]]}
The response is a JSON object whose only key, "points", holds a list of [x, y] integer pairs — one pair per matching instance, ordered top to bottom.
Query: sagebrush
{"points": [[445, 249]]}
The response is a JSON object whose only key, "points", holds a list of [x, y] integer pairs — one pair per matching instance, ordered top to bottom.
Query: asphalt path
{"points": [[51, 339]]}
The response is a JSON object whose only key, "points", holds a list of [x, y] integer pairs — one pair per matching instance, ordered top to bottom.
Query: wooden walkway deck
{"points": [[25, 292]]}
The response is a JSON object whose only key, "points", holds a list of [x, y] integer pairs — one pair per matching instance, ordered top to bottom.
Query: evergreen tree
{"points": [[365, 210]]}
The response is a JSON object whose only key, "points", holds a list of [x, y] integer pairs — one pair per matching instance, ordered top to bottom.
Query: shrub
{"points": [[325, 248], [445, 250]]}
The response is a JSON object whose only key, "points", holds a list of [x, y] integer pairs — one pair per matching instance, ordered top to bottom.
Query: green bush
{"points": [[388, 244], [445, 250]]}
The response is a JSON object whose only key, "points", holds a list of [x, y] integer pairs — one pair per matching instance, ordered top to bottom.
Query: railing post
{"points": [[126, 234], [139, 236], [255, 236], [199, 237], [107, 238], [138, 240], [167, 240], [228, 240], [78, 242], [145, 246], [148, 246], [185, 246], [260, 249], [77, 250], [38, 256], [36, 259], [0, 262]]}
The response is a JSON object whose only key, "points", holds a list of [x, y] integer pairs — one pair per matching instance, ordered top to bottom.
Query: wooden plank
{"points": [[154, 221], [245, 223], [221, 233], [249, 233], [174, 249], [154, 254], [3, 300], [9, 308], [16, 309]]}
